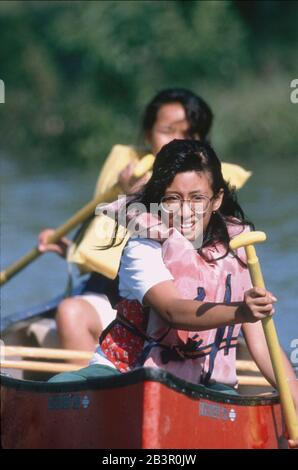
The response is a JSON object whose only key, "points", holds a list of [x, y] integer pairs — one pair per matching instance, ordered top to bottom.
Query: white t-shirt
{"points": [[141, 268]]}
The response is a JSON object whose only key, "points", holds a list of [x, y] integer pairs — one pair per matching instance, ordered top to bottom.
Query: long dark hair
{"points": [[198, 112], [180, 156]]}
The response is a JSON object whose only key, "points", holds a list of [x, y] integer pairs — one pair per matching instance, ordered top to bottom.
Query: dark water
{"points": [[34, 200]]}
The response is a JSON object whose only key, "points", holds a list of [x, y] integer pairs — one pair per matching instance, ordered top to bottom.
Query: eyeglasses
{"points": [[197, 203]]}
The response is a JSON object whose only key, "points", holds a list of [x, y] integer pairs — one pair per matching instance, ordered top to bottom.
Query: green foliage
{"points": [[78, 74], [255, 120]]}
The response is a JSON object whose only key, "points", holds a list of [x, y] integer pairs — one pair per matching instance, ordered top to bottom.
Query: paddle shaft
{"points": [[69, 225], [274, 349], [44, 353], [65, 354], [56, 367]]}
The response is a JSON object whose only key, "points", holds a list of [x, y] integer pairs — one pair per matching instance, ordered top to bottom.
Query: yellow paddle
{"points": [[140, 170], [247, 240]]}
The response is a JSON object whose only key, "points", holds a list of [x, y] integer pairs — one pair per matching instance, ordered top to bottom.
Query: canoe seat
{"points": [[43, 332], [82, 375]]}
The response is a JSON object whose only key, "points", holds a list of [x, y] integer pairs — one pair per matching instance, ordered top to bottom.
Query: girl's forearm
{"points": [[193, 315], [257, 346], [263, 361], [292, 379]]}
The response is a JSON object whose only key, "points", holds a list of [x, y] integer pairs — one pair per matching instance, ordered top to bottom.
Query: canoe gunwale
{"points": [[134, 377]]}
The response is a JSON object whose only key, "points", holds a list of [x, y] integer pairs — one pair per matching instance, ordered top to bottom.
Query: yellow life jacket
{"points": [[119, 157], [235, 175], [85, 252]]}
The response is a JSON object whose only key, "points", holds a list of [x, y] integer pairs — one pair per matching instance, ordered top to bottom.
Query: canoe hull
{"points": [[147, 409]]}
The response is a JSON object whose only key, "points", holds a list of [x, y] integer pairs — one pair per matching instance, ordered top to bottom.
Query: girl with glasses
{"points": [[182, 307]]}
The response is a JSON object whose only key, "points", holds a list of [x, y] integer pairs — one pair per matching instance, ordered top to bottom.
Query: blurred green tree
{"points": [[78, 74]]}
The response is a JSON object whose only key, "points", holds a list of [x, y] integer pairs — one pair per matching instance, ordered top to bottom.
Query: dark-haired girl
{"points": [[182, 306]]}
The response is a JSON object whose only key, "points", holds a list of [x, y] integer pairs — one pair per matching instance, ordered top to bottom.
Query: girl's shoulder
{"points": [[236, 227], [141, 268]]}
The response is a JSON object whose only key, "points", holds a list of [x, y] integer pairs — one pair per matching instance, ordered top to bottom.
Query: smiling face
{"points": [[171, 123], [192, 185]]}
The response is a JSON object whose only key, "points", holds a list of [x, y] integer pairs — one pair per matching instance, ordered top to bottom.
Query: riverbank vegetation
{"points": [[78, 74]]}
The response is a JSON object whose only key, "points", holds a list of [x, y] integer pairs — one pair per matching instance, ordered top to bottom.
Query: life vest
{"points": [[140, 337]]}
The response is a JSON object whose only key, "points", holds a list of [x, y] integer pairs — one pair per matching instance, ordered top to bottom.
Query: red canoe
{"points": [[146, 408]]}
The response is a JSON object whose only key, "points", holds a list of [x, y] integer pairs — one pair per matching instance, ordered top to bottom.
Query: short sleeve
{"points": [[141, 268]]}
